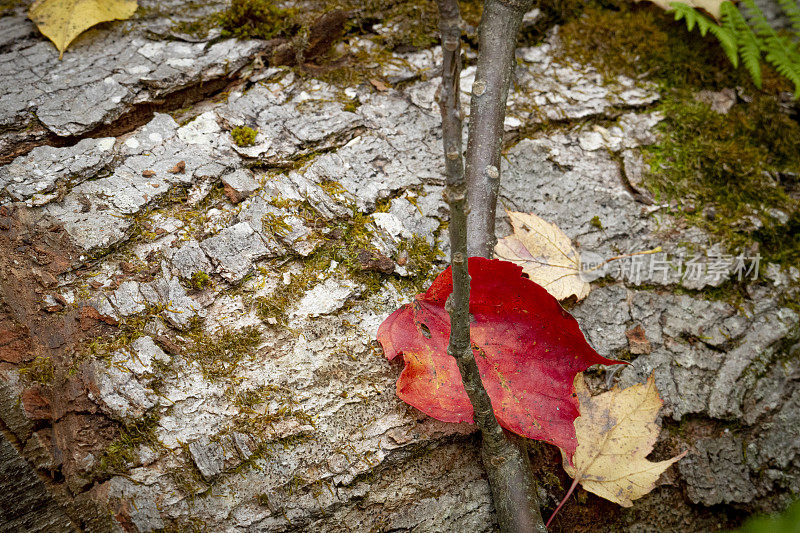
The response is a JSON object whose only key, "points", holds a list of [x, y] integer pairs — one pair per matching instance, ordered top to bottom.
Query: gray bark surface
{"points": [[327, 446]]}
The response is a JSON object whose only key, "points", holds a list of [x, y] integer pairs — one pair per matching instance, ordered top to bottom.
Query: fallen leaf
{"points": [[711, 6], [63, 20], [379, 84], [179, 168], [148, 173], [545, 254], [375, 261], [637, 341], [527, 347], [616, 431]]}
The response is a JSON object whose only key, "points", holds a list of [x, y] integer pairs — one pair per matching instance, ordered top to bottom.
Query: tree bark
{"points": [[504, 456]]}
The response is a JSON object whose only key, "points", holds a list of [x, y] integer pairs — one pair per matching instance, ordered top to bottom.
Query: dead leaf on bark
{"points": [[711, 6], [63, 20], [379, 84], [179, 168], [545, 254], [637, 341], [616, 431]]}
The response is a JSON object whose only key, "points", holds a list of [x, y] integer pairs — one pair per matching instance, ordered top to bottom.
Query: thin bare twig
{"points": [[498, 37], [504, 456]]}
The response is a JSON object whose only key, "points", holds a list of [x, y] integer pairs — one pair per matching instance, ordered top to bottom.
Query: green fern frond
{"points": [[792, 10], [689, 13], [692, 17], [757, 20], [726, 34], [748, 38], [727, 39], [750, 45], [780, 52], [785, 67]]}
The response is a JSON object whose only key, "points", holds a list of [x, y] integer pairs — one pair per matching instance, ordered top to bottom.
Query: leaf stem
{"points": [[561, 504]]}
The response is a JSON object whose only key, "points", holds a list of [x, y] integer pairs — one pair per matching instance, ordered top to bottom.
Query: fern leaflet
{"points": [[748, 39]]}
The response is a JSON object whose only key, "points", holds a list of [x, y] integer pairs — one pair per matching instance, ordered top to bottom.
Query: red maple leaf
{"points": [[527, 348]]}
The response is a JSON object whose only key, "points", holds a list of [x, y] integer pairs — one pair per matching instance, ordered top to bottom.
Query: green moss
{"points": [[247, 19], [257, 19], [198, 27], [635, 39], [351, 105], [244, 136], [729, 173], [332, 188], [283, 203], [382, 205], [595, 222], [275, 224], [342, 242], [421, 259], [200, 280], [275, 305], [128, 330], [220, 354], [41, 370], [262, 407], [122, 451], [188, 478], [186, 524]]}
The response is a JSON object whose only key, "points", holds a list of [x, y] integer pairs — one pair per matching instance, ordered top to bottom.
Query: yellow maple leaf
{"points": [[711, 6], [63, 20], [545, 254], [615, 432]]}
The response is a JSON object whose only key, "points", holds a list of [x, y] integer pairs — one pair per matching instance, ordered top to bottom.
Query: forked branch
{"points": [[504, 456]]}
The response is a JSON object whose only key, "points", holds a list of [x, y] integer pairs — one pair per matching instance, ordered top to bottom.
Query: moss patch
{"points": [[245, 19], [256, 19], [636, 40], [244, 136], [732, 174], [275, 224], [343, 241], [421, 256], [199, 280], [128, 330], [219, 354], [40, 370], [261, 407], [122, 451]]}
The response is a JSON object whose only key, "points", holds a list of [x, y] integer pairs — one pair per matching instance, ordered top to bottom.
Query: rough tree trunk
{"points": [[140, 246]]}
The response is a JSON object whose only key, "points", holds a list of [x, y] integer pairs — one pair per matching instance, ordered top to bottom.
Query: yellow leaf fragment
{"points": [[711, 6], [63, 20], [545, 254], [615, 432]]}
